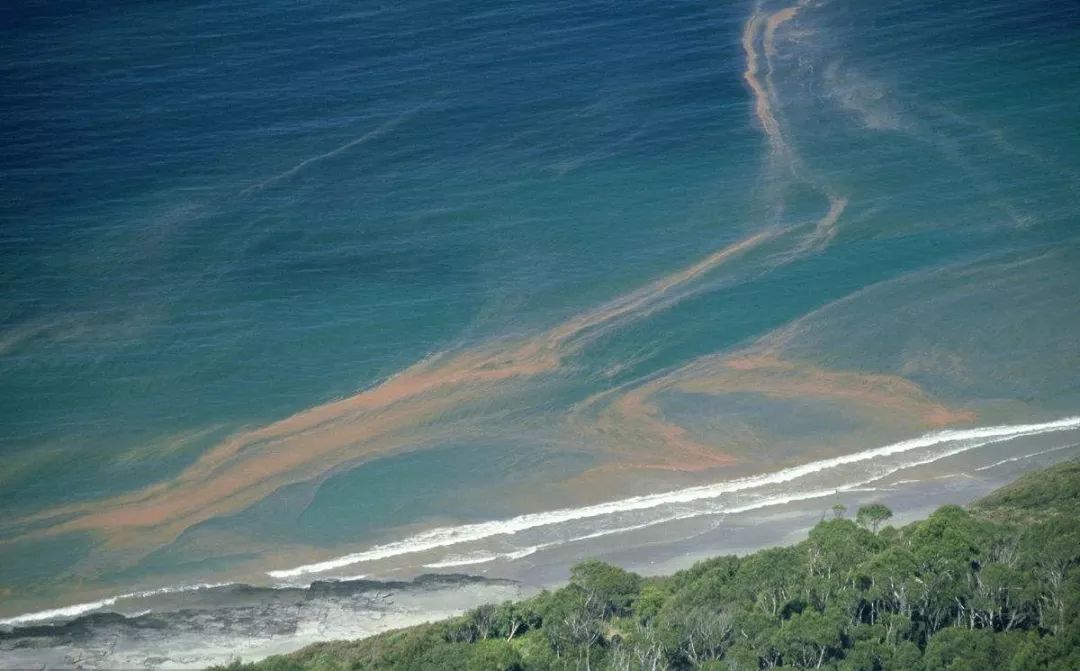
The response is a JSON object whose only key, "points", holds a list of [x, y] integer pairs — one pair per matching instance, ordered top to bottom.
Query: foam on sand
{"points": [[1026, 456]]}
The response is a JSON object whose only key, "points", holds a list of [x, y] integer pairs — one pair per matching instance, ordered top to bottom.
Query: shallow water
{"points": [[283, 285]]}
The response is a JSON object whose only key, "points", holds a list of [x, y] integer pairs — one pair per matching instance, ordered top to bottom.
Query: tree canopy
{"points": [[872, 516]]}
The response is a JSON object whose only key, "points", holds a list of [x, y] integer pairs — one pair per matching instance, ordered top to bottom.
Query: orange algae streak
{"points": [[775, 21], [763, 90], [765, 99], [762, 103], [826, 226], [824, 230], [641, 302], [769, 375], [407, 410], [630, 423], [631, 426], [668, 444], [250, 466]]}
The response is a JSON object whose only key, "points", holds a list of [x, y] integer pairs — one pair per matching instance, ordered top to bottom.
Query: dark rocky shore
{"points": [[220, 623]]}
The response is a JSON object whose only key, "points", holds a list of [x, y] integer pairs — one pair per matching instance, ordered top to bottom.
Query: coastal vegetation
{"points": [[992, 586]]}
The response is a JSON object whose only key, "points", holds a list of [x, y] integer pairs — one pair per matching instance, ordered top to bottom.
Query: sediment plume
{"points": [[405, 411]]}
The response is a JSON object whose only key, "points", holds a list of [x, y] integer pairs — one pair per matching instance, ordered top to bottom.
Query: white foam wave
{"points": [[969, 439], [1026, 456], [861, 486], [448, 536], [484, 557], [465, 560], [70, 612], [65, 613]]}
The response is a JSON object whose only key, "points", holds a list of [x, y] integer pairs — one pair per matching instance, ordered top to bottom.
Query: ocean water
{"points": [[299, 291]]}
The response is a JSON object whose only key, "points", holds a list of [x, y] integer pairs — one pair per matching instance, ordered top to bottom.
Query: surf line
{"points": [[1026, 456], [747, 507], [448, 536], [69, 612]]}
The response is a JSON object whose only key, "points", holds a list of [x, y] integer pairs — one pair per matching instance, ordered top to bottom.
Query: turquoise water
{"points": [[485, 234]]}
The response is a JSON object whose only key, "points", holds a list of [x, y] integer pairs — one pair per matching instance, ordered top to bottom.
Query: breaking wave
{"points": [[954, 441], [1026, 456], [449, 536], [69, 612]]}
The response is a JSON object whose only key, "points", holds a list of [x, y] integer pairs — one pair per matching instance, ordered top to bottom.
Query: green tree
{"points": [[871, 516], [951, 536], [837, 546], [1051, 550], [770, 579], [889, 582], [706, 584], [993, 587], [613, 588], [651, 600], [511, 619], [574, 623], [695, 635], [809, 639], [755, 641], [956, 649], [536, 651], [1046, 653], [493, 656]]}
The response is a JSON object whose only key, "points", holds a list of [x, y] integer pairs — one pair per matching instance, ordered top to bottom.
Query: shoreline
{"points": [[956, 441], [857, 591], [155, 623]]}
